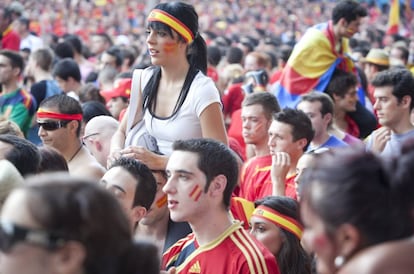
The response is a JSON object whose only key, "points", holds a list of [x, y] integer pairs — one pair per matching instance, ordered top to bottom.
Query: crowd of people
{"points": [[205, 137]]}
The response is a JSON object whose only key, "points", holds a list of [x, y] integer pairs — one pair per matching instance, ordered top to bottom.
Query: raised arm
{"points": [[212, 123]]}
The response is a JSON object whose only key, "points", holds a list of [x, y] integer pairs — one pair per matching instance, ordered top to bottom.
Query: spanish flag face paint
{"points": [[170, 47], [196, 193], [162, 201]]}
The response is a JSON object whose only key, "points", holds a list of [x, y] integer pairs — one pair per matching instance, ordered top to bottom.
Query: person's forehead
{"points": [[383, 91], [310, 105], [255, 108], [281, 125], [183, 160], [119, 176]]}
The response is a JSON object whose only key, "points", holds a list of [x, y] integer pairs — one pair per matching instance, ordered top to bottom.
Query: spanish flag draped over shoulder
{"points": [[394, 17], [312, 64]]}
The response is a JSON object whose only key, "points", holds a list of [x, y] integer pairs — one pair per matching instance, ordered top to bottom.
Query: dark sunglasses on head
{"points": [[52, 125], [11, 234]]}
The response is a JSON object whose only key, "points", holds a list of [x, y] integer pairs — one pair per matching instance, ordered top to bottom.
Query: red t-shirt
{"points": [[10, 40], [232, 98], [235, 131], [256, 182], [234, 251]]}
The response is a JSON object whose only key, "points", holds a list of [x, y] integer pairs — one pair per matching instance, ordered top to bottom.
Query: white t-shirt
{"points": [[186, 123]]}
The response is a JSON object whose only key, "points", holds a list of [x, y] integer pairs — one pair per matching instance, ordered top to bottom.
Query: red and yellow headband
{"points": [[157, 15], [41, 113], [278, 219]]}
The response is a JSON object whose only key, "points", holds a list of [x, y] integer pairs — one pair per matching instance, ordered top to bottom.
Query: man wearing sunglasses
{"points": [[59, 118]]}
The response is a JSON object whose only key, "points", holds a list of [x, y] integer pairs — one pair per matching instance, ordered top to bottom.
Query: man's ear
{"points": [[342, 22], [16, 71], [336, 97], [406, 101], [327, 118], [73, 125], [301, 143], [97, 144], [218, 185], [137, 213], [348, 240], [69, 258]]}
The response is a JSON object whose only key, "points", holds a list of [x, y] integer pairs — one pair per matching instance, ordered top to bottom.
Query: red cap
{"points": [[122, 88]]}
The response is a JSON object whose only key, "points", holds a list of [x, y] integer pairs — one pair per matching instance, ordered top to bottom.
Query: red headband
{"points": [[41, 113]]}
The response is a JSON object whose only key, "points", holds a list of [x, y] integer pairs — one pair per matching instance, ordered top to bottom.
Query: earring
{"points": [[339, 261]]}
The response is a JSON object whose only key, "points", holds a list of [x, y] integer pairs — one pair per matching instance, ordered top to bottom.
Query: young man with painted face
{"points": [[202, 175]]}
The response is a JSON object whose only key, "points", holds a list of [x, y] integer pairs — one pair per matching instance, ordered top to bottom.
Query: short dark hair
{"points": [[350, 10], [24, 21], [104, 36], [74, 41], [64, 50], [404, 51], [115, 52], [213, 55], [234, 55], [43, 57], [16, 60], [66, 68], [401, 81], [340, 83], [267, 100], [327, 105], [92, 109], [300, 123], [24, 155], [214, 158], [51, 160], [146, 186]]}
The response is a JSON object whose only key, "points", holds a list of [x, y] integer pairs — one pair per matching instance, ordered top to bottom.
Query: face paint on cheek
{"points": [[350, 30], [170, 47], [195, 193], [161, 201], [321, 241]]}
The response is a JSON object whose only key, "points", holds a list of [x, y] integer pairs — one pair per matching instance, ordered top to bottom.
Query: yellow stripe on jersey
{"points": [[256, 250]]}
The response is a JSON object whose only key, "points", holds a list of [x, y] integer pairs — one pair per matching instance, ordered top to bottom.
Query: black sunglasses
{"points": [[52, 125], [11, 234]]}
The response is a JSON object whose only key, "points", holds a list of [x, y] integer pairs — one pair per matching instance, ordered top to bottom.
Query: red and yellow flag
{"points": [[394, 17]]}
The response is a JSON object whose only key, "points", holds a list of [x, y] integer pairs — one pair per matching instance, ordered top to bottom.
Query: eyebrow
{"points": [[183, 171]]}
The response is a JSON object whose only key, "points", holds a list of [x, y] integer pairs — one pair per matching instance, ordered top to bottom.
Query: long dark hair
{"points": [[196, 54], [292, 258]]}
